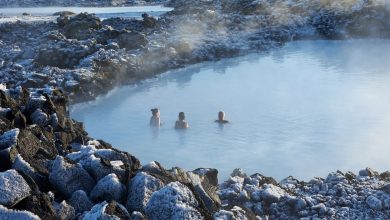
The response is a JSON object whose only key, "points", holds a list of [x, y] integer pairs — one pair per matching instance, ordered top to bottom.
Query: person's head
{"points": [[155, 111], [221, 115], [182, 116]]}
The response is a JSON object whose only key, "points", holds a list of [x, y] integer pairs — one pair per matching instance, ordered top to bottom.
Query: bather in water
{"points": [[221, 118], [155, 120], [181, 123]]}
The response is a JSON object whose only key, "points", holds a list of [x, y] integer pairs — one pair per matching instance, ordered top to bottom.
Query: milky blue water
{"points": [[101, 12], [305, 110]]}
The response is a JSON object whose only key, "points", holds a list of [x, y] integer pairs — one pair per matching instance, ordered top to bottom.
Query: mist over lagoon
{"points": [[316, 103]]}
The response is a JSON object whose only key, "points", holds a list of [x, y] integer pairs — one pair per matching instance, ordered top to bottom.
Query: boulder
{"points": [[63, 13], [148, 21], [80, 26], [131, 40], [64, 53], [39, 117], [19, 120], [9, 139], [36, 151], [7, 157], [23, 166], [99, 168], [238, 172], [368, 172], [208, 174], [67, 178], [200, 186], [141, 187], [13, 188], [109, 188], [386, 188], [271, 193], [174, 201], [80, 202], [374, 203], [39, 204], [106, 210], [64, 211], [235, 213], [9, 214], [137, 216]]}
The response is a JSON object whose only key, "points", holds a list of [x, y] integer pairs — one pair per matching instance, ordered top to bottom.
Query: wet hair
{"points": [[154, 110], [221, 114], [182, 116]]}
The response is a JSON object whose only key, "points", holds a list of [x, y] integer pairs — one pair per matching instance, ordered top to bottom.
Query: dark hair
{"points": [[154, 110], [182, 116]]}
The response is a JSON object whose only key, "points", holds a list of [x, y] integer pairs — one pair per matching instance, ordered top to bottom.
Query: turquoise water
{"points": [[306, 109]]}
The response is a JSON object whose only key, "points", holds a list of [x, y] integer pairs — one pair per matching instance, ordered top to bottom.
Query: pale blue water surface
{"points": [[305, 110]]}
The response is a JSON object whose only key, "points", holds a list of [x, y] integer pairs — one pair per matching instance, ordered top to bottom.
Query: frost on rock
{"points": [[39, 117], [9, 138], [82, 153], [95, 161], [21, 165], [98, 170], [238, 172], [68, 178], [13, 188], [109, 188], [141, 188], [271, 193], [174, 201], [80, 202], [374, 203], [64, 211], [106, 211], [235, 213], [9, 214], [137, 216]]}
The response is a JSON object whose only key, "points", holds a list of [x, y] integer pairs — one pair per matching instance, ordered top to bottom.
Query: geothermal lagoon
{"points": [[304, 109]]}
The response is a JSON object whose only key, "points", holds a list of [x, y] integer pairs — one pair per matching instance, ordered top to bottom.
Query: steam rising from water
{"points": [[305, 110]]}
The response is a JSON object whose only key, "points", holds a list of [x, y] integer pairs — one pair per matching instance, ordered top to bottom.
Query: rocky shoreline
{"points": [[75, 3], [86, 57], [51, 169]]}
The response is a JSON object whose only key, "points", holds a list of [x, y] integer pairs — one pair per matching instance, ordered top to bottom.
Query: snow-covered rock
{"points": [[39, 117], [9, 138], [21, 165], [98, 169], [238, 172], [68, 178], [141, 187], [13, 188], [109, 188], [271, 193], [174, 201], [80, 202], [374, 203], [64, 211], [106, 211], [9, 214], [234, 214], [137, 216]]}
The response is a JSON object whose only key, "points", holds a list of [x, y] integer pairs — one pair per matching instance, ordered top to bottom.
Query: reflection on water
{"points": [[306, 109]]}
